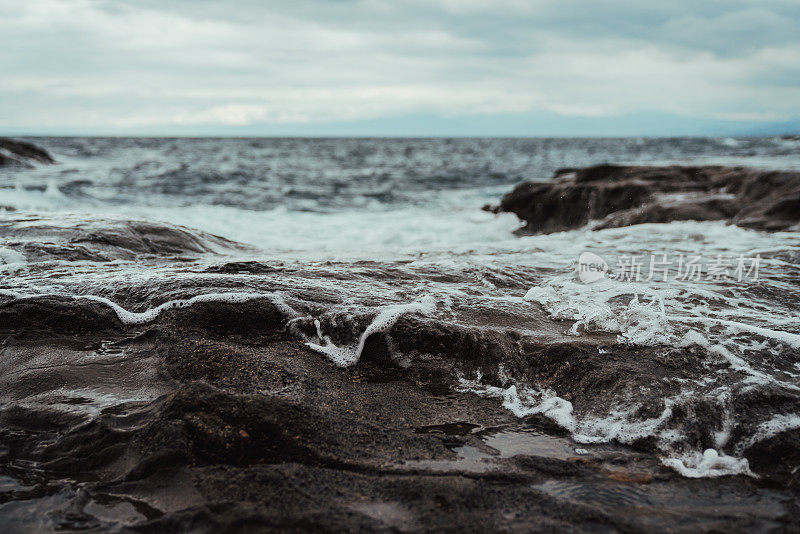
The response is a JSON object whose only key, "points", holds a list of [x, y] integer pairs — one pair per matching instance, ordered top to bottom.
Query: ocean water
{"points": [[358, 197], [379, 228]]}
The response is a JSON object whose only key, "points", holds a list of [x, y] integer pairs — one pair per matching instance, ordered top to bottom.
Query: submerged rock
{"points": [[21, 154], [611, 196], [69, 238]]}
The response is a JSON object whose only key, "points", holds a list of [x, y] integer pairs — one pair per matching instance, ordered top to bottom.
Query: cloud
{"points": [[111, 66]]}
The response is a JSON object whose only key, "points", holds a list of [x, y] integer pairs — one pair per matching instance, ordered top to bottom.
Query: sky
{"points": [[400, 67]]}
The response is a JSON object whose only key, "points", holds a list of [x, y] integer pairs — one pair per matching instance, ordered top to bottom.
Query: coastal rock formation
{"points": [[21, 154], [611, 196], [68, 238], [158, 378], [212, 424]]}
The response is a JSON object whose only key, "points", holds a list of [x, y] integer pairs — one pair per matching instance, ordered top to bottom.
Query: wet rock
{"points": [[20, 153], [610, 196], [677, 208], [72, 238], [149, 238], [242, 267], [60, 315], [254, 318], [218, 414], [214, 427], [256, 430], [777, 458]]}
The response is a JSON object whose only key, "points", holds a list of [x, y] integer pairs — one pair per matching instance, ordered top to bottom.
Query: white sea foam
{"points": [[729, 142], [457, 222], [11, 260], [595, 307], [648, 313], [679, 315], [131, 318], [793, 340], [346, 356], [620, 425], [772, 427], [708, 464]]}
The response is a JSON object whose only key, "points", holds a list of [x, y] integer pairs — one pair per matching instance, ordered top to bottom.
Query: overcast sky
{"points": [[416, 67]]}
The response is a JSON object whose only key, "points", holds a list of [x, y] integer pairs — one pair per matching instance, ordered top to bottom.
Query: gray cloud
{"points": [[98, 64]]}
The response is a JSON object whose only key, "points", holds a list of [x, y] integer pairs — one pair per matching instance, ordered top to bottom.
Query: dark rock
{"points": [[21, 154], [611, 196], [702, 208], [149, 238], [99, 239], [242, 267], [61, 315], [258, 317], [243, 426], [777, 458]]}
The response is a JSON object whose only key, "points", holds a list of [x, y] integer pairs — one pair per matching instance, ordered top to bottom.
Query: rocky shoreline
{"points": [[611, 196], [161, 379], [217, 416], [249, 428]]}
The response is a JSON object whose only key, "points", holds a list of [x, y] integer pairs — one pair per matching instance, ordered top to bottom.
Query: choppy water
{"points": [[348, 196], [387, 226]]}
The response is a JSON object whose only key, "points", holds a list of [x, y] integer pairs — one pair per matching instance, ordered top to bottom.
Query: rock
{"points": [[21, 154], [611, 196], [105, 239], [57, 315], [219, 413], [777, 457]]}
